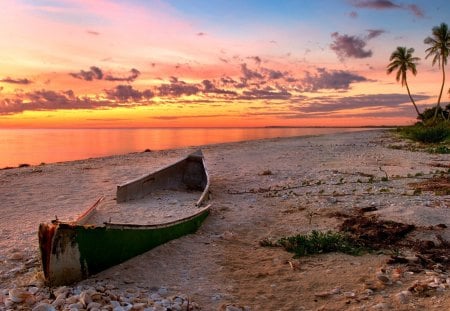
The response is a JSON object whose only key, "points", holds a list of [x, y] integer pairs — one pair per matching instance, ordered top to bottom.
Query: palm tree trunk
{"points": [[440, 94], [410, 97]]}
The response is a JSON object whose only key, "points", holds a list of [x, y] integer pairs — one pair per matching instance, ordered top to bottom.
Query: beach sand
{"points": [[263, 189]]}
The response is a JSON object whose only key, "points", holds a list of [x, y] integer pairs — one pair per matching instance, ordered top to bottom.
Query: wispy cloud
{"points": [[375, 4], [388, 5], [416, 10], [92, 32], [373, 33], [256, 59], [95, 73], [134, 73], [16, 81], [253, 94], [44, 100], [374, 105], [197, 116]]}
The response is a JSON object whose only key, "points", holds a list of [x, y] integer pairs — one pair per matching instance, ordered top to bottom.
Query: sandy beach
{"points": [[260, 190]]}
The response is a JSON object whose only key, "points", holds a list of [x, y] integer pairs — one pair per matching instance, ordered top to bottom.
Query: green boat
{"points": [[145, 213]]}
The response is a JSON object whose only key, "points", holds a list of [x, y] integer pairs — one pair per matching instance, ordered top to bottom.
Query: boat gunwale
{"points": [[197, 155], [112, 225]]}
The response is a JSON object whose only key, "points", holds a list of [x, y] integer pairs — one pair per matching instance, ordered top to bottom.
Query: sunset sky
{"points": [[212, 63]]}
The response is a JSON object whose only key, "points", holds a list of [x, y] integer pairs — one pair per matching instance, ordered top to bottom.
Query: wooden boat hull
{"points": [[73, 251]]}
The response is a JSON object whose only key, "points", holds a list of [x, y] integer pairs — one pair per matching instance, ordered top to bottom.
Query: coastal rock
{"points": [[44, 307]]}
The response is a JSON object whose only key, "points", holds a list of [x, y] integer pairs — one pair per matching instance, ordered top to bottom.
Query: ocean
{"points": [[36, 146]]}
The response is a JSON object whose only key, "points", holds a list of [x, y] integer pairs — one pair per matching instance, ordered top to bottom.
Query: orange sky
{"points": [[79, 63]]}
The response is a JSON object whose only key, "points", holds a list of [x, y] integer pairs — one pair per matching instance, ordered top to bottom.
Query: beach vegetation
{"points": [[439, 48], [402, 61], [434, 115], [428, 134], [440, 150], [439, 184], [417, 191], [317, 242]]}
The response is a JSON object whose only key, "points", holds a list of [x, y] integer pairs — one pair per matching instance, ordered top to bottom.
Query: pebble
{"points": [[16, 256], [403, 297], [94, 298], [381, 306], [43, 307]]}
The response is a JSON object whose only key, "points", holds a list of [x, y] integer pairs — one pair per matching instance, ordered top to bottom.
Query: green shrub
{"points": [[427, 134], [440, 149], [318, 242]]}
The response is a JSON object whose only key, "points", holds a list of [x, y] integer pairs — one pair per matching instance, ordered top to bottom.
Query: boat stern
{"points": [[60, 255]]}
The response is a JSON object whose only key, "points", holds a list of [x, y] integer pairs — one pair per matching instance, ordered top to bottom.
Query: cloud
{"points": [[375, 4], [388, 5], [417, 11], [353, 14], [92, 32], [373, 33], [200, 34], [349, 46], [256, 59], [94, 73], [134, 73], [250, 74], [273, 74], [260, 76], [335, 79], [225, 80], [16, 81], [209, 87], [178, 88], [126, 93], [264, 94], [44, 100], [374, 105], [188, 117]]}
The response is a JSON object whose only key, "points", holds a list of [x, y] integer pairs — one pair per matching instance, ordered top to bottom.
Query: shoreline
{"points": [[36, 148], [223, 264]]}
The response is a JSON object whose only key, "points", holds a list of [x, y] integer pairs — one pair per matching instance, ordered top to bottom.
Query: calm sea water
{"points": [[35, 146]]}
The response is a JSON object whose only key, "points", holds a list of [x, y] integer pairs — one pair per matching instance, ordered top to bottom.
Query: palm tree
{"points": [[439, 48], [402, 61]]}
